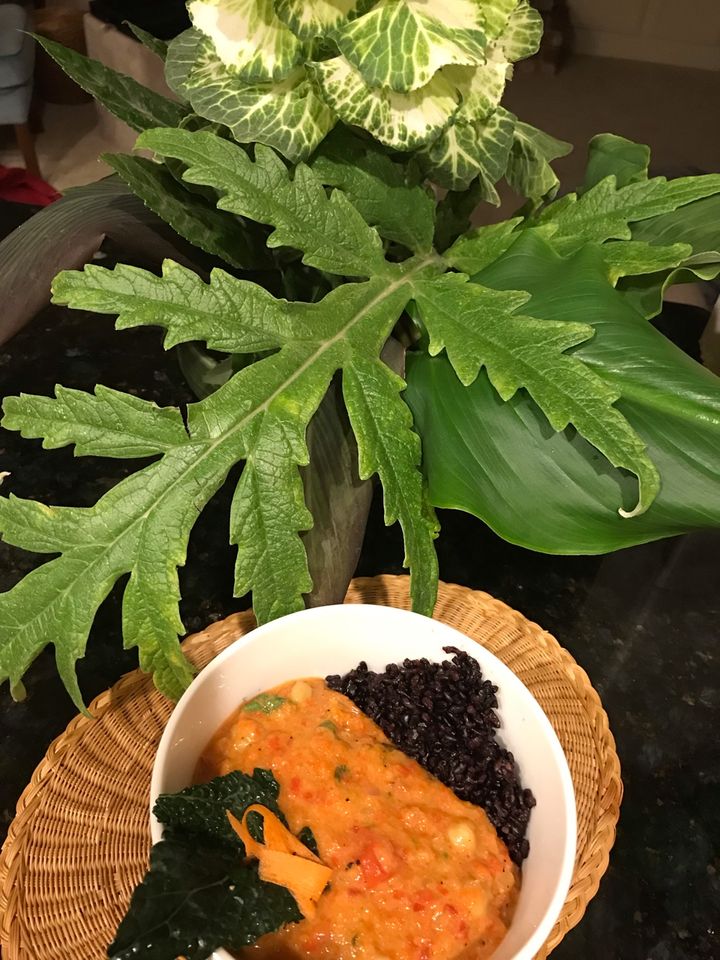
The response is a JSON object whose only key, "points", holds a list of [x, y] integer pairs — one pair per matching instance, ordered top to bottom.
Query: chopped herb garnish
{"points": [[264, 703], [329, 725], [341, 772]]}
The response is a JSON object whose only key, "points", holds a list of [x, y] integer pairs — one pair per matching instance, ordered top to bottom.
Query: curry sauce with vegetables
{"points": [[417, 874]]}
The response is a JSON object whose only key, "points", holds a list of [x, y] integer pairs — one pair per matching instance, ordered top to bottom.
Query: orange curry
{"points": [[417, 873]]}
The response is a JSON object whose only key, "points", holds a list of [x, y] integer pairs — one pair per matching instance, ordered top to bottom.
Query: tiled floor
{"points": [[672, 109]]}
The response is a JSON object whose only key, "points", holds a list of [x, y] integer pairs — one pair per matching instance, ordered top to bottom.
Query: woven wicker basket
{"points": [[79, 843]]}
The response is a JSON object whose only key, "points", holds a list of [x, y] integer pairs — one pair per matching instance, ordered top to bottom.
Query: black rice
{"points": [[443, 715]]}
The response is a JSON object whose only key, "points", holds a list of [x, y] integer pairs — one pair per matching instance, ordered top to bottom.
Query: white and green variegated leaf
{"points": [[496, 14], [317, 18], [522, 34], [248, 37], [401, 44], [481, 87], [287, 115], [403, 121], [469, 150], [529, 172], [329, 230], [479, 327]]}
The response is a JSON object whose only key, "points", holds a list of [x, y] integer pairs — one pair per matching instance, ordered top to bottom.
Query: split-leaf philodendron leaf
{"points": [[303, 146]]}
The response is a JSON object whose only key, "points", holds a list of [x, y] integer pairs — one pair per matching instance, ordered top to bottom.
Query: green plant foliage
{"points": [[158, 47], [413, 74], [129, 100], [286, 114], [610, 155], [529, 172], [387, 194], [605, 211], [201, 223], [480, 327], [539, 397], [550, 491]]}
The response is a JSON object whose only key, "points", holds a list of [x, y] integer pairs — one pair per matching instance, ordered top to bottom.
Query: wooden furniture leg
{"points": [[35, 120], [26, 143]]}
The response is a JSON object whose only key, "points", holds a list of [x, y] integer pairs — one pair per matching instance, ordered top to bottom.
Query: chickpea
{"points": [[300, 692], [243, 734], [462, 836]]}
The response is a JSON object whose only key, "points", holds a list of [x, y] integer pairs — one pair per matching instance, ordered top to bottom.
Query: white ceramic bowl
{"points": [[329, 640]]}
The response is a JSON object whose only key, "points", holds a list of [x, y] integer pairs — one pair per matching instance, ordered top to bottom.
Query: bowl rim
{"points": [[499, 673]]}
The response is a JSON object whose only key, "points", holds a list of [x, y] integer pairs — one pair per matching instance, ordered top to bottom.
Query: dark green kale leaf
{"points": [[202, 809], [307, 838], [199, 895]]}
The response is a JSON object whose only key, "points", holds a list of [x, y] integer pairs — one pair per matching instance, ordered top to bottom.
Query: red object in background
{"points": [[19, 186]]}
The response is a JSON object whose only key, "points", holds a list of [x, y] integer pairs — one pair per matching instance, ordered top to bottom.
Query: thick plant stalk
{"points": [[66, 235], [338, 500]]}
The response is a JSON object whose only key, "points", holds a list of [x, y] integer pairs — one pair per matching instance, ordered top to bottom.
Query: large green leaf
{"points": [[248, 37], [401, 44], [156, 46], [129, 100], [287, 115], [403, 121], [609, 155], [384, 192], [606, 211], [696, 224], [214, 231], [330, 231], [66, 235], [481, 327], [105, 423], [389, 447], [551, 491], [338, 500], [141, 527]]}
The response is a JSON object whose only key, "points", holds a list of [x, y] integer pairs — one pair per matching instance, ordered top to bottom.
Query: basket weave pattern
{"points": [[80, 839]]}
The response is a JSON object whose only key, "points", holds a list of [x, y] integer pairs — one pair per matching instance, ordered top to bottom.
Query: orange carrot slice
{"points": [[283, 859]]}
